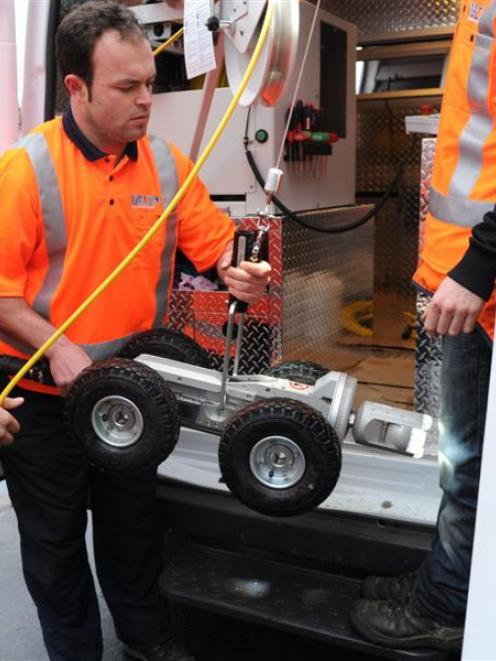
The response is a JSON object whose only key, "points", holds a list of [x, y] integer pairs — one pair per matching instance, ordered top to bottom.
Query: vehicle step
{"points": [[305, 602]]}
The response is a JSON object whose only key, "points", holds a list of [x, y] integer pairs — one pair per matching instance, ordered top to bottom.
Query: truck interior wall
{"points": [[381, 145]]}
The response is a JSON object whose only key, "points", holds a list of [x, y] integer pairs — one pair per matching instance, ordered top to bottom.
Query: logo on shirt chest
{"points": [[475, 12], [149, 201]]}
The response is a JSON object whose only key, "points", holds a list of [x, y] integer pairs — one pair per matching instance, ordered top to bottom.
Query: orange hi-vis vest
{"points": [[463, 186], [67, 221]]}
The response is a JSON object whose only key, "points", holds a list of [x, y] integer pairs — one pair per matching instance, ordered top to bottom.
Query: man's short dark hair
{"points": [[81, 28]]}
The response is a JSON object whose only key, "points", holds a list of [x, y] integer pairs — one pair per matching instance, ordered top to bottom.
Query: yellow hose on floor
{"points": [[160, 221], [357, 317]]}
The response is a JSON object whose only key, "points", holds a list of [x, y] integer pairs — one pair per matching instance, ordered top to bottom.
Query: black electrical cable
{"points": [[330, 230]]}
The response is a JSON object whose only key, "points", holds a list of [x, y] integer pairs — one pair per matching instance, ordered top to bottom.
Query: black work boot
{"points": [[394, 588], [396, 624], [169, 651]]}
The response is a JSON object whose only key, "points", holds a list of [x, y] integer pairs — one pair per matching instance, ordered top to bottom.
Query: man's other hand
{"points": [[248, 281], [454, 309], [67, 360], [8, 424]]}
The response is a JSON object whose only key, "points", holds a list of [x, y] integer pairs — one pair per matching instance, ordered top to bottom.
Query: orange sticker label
{"points": [[299, 386]]}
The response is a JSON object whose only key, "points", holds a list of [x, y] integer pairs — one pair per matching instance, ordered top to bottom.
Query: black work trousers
{"points": [[49, 487]]}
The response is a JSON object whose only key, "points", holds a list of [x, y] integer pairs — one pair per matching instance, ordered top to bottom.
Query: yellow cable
{"points": [[169, 41], [160, 221], [354, 315]]}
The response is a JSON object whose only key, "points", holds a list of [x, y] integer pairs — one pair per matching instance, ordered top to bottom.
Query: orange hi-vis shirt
{"points": [[463, 186], [70, 214]]}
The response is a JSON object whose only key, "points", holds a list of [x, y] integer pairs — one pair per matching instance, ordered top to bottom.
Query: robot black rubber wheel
{"points": [[166, 343], [298, 370], [122, 417], [280, 457]]}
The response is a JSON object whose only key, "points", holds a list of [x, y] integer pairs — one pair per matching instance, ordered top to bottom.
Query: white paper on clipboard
{"points": [[198, 40]]}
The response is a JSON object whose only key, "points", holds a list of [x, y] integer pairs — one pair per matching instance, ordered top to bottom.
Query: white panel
{"points": [[34, 89], [9, 112], [227, 172]]}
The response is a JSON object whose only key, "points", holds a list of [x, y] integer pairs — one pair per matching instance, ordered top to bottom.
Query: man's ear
{"points": [[76, 86]]}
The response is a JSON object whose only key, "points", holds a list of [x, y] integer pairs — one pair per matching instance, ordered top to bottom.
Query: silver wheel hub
{"points": [[117, 421], [277, 462]]}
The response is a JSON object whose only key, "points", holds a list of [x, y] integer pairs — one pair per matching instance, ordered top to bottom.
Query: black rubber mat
{"points": [[304, 602]]}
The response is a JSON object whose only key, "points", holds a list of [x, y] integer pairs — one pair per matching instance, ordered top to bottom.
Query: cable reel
{"points": [[241, 21]]}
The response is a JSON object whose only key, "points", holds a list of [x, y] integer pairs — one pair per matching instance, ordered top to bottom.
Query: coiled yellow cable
{"points": [[160, 221], [356, 318]]}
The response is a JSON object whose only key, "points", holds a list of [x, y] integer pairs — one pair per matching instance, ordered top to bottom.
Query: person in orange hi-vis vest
{"points": [[76, 195], [426, 608]]}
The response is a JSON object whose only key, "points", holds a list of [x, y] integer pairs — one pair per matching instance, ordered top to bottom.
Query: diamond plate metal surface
{"points": [[379, 16], [383, 146], [428, 152], [322, 274], [313, 276], [203, 315], [428, 353], [427, 391]]}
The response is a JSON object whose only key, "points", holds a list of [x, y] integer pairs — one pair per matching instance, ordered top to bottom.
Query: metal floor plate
{"points": [[304, 602]]}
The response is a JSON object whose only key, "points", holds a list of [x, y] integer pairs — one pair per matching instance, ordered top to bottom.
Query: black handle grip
{"points": [[249, 246], [39, 372]]}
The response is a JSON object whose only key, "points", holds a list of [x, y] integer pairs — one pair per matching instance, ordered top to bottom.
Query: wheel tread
{"points": [[167, 343], [298, 370], [153, 386], [322, 434]]}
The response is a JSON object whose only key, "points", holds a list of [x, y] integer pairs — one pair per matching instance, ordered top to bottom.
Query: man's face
{"points": [[118, 109]]}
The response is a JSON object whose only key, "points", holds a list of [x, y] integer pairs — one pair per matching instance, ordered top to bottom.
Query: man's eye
{"points": [[126, 88]]}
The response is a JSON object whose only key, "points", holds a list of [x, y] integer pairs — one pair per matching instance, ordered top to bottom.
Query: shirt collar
{"points": [[88, 149]]}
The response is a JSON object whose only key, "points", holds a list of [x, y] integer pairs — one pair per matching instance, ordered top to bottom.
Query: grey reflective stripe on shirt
{"points": [[166, 166], [457, 207], [457, 210], [52, 215], [100, 350]]}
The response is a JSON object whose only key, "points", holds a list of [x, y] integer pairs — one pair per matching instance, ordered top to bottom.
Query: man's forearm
{"points": [[24, 325]]}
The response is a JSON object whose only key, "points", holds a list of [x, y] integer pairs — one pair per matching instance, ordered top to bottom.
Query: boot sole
{"points": [[448, 644]]}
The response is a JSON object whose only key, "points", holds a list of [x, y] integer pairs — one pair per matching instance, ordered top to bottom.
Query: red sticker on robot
{"points": [[299, 386]]}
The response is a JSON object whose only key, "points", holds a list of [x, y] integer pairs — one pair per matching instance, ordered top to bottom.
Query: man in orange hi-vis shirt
{"points": [[76, 196], [426, 608]]}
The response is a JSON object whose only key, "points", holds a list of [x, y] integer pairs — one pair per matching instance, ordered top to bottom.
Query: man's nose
{"points": [[145, 97]]}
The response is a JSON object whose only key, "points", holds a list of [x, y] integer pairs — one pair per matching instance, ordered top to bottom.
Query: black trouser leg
{"points": [[48, 486], [128, 541], [442, 584]]}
